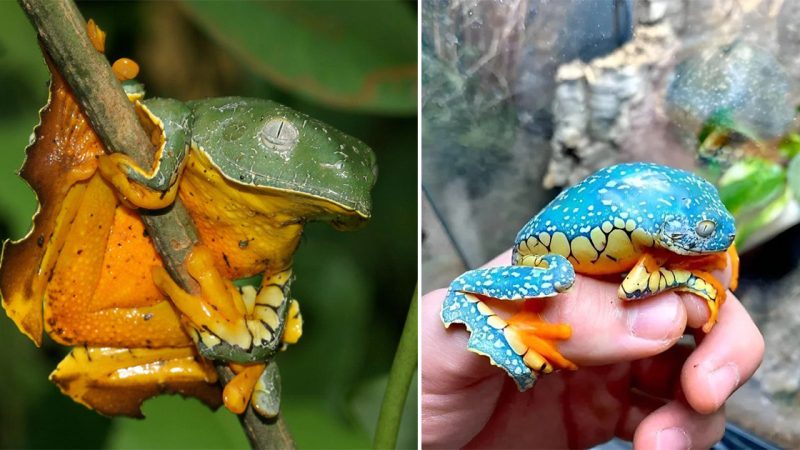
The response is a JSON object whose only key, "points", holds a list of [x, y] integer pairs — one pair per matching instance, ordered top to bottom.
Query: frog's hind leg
{"points": [[650, 277], [232, 325], [238, 326], [523, 344], [115, 381]]}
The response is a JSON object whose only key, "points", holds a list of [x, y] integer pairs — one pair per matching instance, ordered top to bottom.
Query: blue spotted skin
{"points": [[656, 206], [603, 225], [503, 283]]}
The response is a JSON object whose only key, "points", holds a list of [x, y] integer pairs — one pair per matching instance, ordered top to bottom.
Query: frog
{"points": [[251, 174], [657, 228]]}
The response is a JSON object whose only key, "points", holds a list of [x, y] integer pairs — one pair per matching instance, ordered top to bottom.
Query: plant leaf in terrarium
{"points": [[789, 146], [793, 176], [751, 184], [746, 227]]}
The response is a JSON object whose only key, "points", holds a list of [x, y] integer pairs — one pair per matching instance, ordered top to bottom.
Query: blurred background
{"points": [[350, 64], [521, 98]]}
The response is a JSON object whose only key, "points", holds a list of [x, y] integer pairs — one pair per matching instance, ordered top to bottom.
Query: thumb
{"points": [[608, 330]]}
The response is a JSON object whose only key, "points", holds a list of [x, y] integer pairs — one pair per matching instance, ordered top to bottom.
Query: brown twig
{"points": [[62, 32]]}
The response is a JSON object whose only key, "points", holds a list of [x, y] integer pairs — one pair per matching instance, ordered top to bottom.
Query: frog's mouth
{"points": [[690, 245]]}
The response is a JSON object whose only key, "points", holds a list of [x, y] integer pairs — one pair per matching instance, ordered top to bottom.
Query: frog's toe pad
{"points": [[488, 336]]}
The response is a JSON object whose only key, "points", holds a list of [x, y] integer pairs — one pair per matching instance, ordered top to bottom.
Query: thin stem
{"points": [[62, 33], [403, 368]]}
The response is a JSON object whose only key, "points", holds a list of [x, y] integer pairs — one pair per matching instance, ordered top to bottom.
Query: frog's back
{"points": [[263, 144], [603, 223]]}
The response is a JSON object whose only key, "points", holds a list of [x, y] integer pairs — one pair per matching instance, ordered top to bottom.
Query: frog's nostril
{"points": [[676, 236]]}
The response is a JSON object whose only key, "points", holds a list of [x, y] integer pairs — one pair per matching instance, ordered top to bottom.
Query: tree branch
{"points": [[62, 32]]}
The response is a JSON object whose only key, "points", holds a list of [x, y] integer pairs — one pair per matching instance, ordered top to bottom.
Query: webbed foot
{"points": [[651, 276], [229, 324], [523, 344], [259, 384]]}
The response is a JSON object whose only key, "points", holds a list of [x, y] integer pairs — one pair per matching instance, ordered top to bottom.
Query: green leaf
{"points": [[349, 55], [790, 145], [793, 176], [751, 184], [746, 227]]}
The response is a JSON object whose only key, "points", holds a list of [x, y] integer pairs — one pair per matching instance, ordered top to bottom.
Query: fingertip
{"points": [[676, 426]]}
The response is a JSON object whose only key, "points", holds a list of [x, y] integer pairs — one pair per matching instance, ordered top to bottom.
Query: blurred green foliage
{"points": [[351, 64], [757, 179]]}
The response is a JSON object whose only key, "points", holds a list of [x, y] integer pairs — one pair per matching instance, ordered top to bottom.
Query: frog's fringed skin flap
{"points": [[63, 152], [116, 381]]}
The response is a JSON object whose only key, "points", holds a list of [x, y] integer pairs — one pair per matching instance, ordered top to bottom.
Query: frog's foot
{"points": [[96, 36], [166, 121], [117, 168], [733, 255], [648, 277], [228, 324], [523, 344], [115, 381], [258, 384]]}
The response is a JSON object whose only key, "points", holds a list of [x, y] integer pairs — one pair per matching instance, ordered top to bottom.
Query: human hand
{"points": [[633, 381]]}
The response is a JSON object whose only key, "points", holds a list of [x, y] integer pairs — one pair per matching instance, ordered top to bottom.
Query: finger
{"points": [[607, 330], [726, 357], [459, 388], [678, 426]]}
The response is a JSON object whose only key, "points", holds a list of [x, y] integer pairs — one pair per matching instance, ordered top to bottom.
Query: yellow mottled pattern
{"points": [[609, 248], [583, 251]]}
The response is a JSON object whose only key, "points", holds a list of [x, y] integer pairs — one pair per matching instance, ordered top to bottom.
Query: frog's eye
{"points": [[280, 134], [705, 228]]}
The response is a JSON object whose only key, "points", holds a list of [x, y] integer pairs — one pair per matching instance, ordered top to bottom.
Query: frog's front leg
{"points": [[154, 189], [651, 276], [245, 327], [524, 343]]}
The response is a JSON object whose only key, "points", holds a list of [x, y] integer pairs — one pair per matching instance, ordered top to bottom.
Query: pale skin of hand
{"points": [[633, 381]]}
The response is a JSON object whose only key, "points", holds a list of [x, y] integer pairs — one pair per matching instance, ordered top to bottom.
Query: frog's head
{"points": [[264, 144], [700, 225]]}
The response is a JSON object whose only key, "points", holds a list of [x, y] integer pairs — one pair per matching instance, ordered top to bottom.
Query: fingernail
{"points": [[654, 319], [723, 380], [672, 438]]}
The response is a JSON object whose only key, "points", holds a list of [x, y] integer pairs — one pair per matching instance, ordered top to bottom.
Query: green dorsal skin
{"points": [[262, 144]]}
